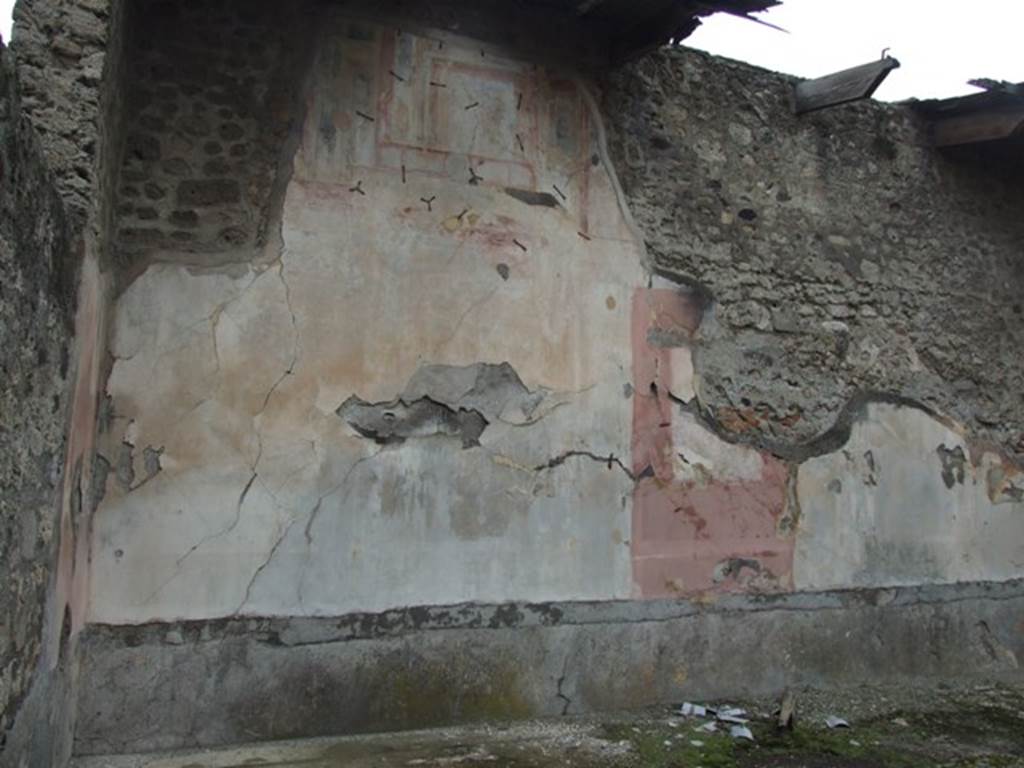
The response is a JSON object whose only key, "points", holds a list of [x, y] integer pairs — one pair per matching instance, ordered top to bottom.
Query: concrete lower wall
{"points": [[166, 686]]}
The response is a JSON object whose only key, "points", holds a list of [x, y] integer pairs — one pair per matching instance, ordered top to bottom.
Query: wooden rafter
{"points": [[843, 87]]}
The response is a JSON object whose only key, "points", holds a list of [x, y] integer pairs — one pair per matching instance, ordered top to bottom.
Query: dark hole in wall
{"points": [[529, 197], [76, 497], [65, 638]]}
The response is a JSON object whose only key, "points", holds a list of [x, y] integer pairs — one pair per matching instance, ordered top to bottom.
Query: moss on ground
{"points": [[981, 727], [974, 737], [664, 747]]}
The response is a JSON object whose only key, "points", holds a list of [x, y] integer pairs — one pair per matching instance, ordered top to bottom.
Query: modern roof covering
{"points": [[634, 27], [590, 33], [996, 113]]}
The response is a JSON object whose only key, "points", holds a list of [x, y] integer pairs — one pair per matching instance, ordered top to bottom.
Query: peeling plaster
{"points": [[398, 421], [552, 439], [266, 500], [901, 504]]}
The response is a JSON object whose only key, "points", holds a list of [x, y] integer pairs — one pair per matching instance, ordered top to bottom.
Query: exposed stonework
{"points": [[68, 56], [207, 123], [60, 132], [843, 256], [36, 315]]}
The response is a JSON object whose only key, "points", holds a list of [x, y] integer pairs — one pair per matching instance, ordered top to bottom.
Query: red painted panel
{"points": [[694, 536]]}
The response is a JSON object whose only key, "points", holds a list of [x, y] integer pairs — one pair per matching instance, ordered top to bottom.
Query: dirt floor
{"points": [[889, 728]]}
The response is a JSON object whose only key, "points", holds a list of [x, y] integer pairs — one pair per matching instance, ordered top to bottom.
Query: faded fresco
{"points": [[449, 376]]}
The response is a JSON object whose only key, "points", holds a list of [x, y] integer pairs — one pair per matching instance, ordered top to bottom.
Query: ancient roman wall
{"points": [[68, 56], [59, 132], [37, 308], [862, 325], [446, 330], [420, 387], [408, 421]]}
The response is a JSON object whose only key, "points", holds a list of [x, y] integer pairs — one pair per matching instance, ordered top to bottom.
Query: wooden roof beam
{"points": [[843, 87], [972, 127]]}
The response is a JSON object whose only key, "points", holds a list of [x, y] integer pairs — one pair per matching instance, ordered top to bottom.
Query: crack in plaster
{"points": [[213, 318], [462, 318], [296, 337], [289, 370], [832, 440], [610, 460], [315, 514], [206, 540], [263, 566], [567, 701]]}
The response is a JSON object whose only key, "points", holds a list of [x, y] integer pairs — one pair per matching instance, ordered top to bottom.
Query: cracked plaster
{"points": [[434, 390], [267, 501], [884, 508]]}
